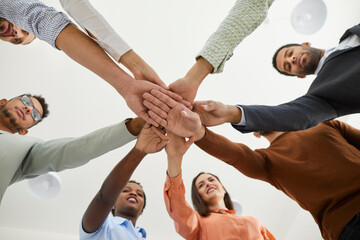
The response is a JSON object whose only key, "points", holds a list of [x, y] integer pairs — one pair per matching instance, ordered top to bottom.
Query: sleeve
{"points": [[35, 17], [243, 19], [90, 20], [300, 114], [351, 134], [60, 154], [251, 163], [185, 218]]}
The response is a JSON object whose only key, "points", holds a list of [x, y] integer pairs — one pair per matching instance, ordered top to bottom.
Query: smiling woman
{"points": [[213, 217]]}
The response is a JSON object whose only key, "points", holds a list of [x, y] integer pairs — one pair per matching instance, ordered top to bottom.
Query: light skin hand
{"points": [[140, 69], [187, 86], [133, 93], [214, 113], [171, 114], [151, 139], [175, 151]]}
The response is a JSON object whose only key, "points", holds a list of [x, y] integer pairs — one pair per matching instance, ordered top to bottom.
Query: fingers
{"points": [[159, 82], [172, 95], [164, 98], [154, 103], [147, 118], [157, 119], [161, 133]]}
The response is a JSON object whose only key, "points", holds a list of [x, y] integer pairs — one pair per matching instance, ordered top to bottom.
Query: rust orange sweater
{"points": [[319, 168]]}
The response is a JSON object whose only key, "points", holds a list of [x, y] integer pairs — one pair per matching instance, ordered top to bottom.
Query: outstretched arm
{"points": [[242, 20], [98, 28], [299, 114], [172, 115], [100, 206], [185, 218]]}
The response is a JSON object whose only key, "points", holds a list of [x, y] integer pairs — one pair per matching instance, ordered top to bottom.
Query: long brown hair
{"points": [[199, 205]]}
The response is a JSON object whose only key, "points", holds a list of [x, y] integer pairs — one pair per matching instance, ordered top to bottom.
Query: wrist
{"points": [[131, 61], [199, 71], [233, 114], [135, 125], [199, 134], [138, 153], [174, 166]]}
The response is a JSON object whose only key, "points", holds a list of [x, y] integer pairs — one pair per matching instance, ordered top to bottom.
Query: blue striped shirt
{"points": [[35, 17]]}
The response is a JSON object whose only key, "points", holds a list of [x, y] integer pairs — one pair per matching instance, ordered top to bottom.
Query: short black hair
{"points": [[277, 52], [133, 181]]}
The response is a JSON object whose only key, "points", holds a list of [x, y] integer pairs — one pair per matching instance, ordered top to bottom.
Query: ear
{"points": [[306, 44], [302, 76], [3, 101], [23, 132], [257, 134]]}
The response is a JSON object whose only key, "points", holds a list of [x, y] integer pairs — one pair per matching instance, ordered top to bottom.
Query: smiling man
{"points": [[11, 33], [125, 198]]}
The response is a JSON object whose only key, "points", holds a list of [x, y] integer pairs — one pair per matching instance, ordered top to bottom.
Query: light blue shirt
{"points": [[33, 16], [115, 228]]}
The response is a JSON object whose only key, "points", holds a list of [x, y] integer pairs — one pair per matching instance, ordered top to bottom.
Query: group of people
{"points": [[312, 158]]}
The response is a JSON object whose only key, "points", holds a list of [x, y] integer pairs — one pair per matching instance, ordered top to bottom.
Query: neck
{"points": [[272, 136], [217, 205], [133, 219]]}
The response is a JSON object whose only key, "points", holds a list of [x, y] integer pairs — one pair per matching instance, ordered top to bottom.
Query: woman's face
{"points": [[210, 189]]}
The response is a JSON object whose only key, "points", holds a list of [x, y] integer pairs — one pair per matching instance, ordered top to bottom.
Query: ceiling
{"points": [[167, 34]]}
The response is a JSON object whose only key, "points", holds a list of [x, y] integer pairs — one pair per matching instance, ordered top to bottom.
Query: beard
{"points": [[314, 56], [5, 114]]}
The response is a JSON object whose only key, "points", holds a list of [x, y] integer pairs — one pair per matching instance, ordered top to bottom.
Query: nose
{"points": [[293, 60], [28, 109]]}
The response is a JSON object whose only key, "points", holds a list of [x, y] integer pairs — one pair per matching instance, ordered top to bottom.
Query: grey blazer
{"points": [[334, 92]]}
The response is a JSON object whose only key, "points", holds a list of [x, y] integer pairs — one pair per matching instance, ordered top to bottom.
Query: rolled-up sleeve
{"points": [[33, 16]]}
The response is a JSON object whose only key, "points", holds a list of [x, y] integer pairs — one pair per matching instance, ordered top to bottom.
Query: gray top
{"points": [[23, 157]]}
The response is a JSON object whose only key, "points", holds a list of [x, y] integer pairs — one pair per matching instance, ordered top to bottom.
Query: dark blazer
{"points": [[334, 92]]}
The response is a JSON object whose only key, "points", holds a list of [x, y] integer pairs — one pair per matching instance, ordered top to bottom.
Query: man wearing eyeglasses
{"points": [[23, 157]]}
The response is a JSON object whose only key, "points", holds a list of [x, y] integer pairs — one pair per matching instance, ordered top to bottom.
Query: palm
{"points": [[214, 115], [184, 126], [150, 141], [177, 145]]}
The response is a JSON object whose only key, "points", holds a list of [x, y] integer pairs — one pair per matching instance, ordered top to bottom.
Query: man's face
{"points": [[13, 34], [298, 60], [16, 116], [130, 201]]}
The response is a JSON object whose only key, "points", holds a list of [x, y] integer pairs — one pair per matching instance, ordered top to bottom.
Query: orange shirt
{"points": [[224, 224]]}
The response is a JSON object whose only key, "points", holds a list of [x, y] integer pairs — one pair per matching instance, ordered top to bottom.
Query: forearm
{"points": [[243, 19], [94, 23], [86, 52], [198, 72], [233, 114], [299, 114], [135, 125], [65, 153], [238, 155], [174, 166]]}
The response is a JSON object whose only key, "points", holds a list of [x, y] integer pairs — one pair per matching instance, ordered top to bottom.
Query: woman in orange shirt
{"points": [[213, 217]]}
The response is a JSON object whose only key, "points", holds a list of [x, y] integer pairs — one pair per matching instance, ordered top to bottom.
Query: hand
{"points": [[140, 69], [185, 88], [133, 95], [211, 113], [171, 114], [151, 139], [177, 146]]}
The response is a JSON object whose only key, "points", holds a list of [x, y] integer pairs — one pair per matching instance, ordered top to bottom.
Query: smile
{"points": [[211, 189], [132, 199]]}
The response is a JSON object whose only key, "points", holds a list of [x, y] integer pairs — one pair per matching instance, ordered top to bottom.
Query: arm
{"points": [[243, 19], [101, 32], [299, 114], [351, 134], [60, 154], [250, 163], [100, 206], [185, 218]]}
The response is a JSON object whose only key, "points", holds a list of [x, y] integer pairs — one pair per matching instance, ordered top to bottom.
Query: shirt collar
{"points": [[124, 221]]}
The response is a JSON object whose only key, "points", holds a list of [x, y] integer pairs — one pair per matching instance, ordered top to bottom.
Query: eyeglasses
{"points": [[34, 112]]}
